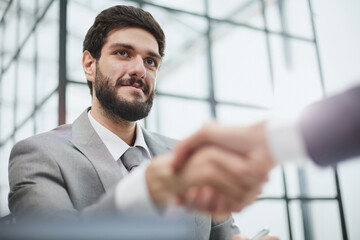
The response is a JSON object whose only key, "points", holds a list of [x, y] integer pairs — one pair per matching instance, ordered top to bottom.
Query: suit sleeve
{"points": [[331, 128], [36, 184], [37, 187], [223, 230]]}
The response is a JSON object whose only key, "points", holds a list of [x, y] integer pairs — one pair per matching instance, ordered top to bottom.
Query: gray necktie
{"points": [[132, 158]]}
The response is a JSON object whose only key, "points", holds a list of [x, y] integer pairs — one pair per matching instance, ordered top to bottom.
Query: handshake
{"points": [[218, 170]]}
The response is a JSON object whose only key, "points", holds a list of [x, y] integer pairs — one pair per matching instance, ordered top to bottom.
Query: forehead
{"points": [[139, 38]]}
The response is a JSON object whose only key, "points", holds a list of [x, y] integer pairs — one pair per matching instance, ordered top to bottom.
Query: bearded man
{"points": [[101, 162]]}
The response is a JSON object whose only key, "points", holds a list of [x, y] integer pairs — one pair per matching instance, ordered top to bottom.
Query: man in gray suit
{"points": [[327, 132], [92, 166]]}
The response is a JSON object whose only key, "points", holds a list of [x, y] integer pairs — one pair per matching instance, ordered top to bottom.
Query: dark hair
{"points": [[120, 17]]}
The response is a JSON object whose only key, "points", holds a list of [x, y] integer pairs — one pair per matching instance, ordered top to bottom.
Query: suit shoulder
{"points": [[164, 138], [46, 139], [159, 139]]}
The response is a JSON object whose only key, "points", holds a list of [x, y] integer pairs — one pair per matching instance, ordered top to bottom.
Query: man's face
{"points": [[126, 73]]}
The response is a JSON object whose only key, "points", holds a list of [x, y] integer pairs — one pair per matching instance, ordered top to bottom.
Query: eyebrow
{"points": [[130, 47]]}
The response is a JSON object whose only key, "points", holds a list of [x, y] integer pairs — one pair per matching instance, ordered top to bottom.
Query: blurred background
{"points": [[238, 61]]}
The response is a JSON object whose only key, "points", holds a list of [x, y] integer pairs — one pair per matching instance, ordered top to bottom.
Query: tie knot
{"points": [[132, 158]]}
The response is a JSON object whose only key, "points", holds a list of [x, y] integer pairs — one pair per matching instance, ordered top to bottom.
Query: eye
{"points": [[122, 53], [150, 62]]}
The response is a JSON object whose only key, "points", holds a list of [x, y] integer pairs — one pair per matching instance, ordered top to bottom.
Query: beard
{"points": [[117, 106]]}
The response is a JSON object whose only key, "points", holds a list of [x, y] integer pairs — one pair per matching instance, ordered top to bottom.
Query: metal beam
{"points": [[62, 62]]}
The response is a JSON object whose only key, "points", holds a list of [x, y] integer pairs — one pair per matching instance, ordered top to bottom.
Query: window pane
{"points": [[186, 5], [240, 11], [291, 16], [27, 19], [338, 38], [10, 40], [47, 45], [241, 68], [184, 70], [189, 78], [297, 79], [26, 81], [7, 100], [77, 100], [239, 115], [47, 116], [177, 118], [27, 130], [349, 179], [4, 182], [319, 182], [274, 187], [263, 213], [323, 220], [297, 226]]}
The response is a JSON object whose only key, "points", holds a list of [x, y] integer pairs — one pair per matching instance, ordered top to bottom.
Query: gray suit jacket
{"points": [[331, 128], [70, 172]]}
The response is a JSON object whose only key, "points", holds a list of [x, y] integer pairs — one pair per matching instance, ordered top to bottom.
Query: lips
{"points": [[132, 82], [135, 85]]}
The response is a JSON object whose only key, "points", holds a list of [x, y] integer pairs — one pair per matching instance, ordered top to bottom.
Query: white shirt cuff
{"points": [[285, 141], [132, 194]]}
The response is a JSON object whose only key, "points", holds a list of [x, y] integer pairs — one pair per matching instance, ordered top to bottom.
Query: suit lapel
{"points": [[89, 143], [157, 144]]}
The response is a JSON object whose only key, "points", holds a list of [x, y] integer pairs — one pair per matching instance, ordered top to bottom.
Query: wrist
{"points": [[261, 148], [159, 179]]}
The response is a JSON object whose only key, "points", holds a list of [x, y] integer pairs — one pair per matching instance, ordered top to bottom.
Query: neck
{"points": [[123, 129]]}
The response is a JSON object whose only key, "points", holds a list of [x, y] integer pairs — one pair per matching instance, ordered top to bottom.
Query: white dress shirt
{"points": [[285, 140], [131, 193]]}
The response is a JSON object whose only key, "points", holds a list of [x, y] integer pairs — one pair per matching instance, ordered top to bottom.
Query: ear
{"points": [[89, 66]]}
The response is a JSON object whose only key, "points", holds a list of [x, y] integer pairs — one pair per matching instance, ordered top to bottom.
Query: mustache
{"points": [[131, 81]]}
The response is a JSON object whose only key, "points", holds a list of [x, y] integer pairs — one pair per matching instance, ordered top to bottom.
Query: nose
{"points": [[137, 67]]}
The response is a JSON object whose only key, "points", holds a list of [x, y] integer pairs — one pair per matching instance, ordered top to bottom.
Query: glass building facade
{"points": [[237, 61]]}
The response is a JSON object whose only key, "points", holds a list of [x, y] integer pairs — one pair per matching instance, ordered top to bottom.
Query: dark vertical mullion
{"points": [[141, 5], [5, 12], [2, 30], [284, 30], [268, 47], [62, 62], [35, 67], [271, 68], [16, 74], [322, 82], [212, 100], [286, 196], [341, 205], [306, 213]]}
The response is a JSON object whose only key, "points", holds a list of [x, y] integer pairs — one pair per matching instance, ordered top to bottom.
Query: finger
{"points": [[229, 137], [185, 148], [239, 168], [224, 171], [232, 175], [190, 198], [205, 200], [178, 201]]}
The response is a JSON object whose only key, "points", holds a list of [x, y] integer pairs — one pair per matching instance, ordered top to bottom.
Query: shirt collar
{"points": [[115, 144]]}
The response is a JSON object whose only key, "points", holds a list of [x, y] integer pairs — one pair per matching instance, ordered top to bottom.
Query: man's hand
{"points": [[243, 140], [241, 151], [213, 180]]}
